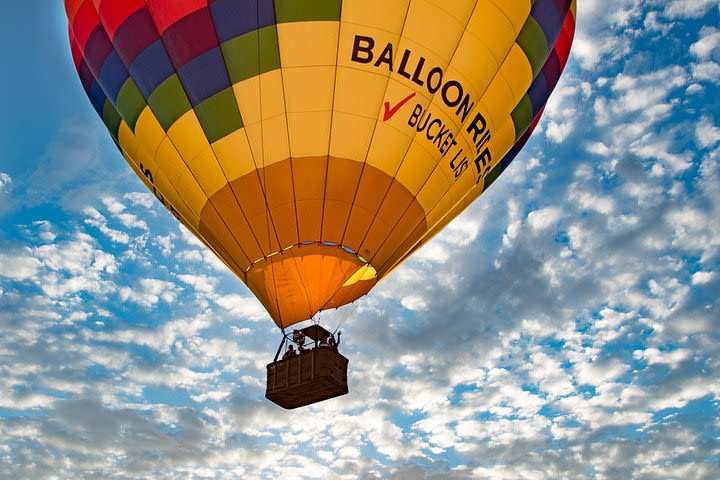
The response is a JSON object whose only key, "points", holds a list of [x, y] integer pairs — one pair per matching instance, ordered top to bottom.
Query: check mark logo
{"points": [[389, 112]]}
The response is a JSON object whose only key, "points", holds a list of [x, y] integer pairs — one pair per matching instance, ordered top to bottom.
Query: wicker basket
{"points": [[315, 375]]}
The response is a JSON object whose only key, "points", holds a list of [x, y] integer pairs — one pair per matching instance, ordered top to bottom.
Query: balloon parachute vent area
{"points": [[317, 375]]}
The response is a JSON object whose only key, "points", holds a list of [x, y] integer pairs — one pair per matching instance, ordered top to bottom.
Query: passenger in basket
{"points": [[299, 339], [331, 341], [289, 353]]}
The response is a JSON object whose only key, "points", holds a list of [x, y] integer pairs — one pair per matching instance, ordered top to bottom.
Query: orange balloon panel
{"points": [[313, 145]]}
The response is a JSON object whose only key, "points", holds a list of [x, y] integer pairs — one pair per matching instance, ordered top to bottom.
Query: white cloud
{"points": [[688, 8], [652, 23], [602, 27], [708, 43], [589, 50], [706, 71], [694, 88], [641, 93], [561, 109], [629, 115], [559, 132], [706, 133], [598, 148], [5, 181], [142, 199], [602, 204], [112, 205], [117, 211], [543, 218], [98, 220], [46, 232], [461, 233], [165, 242], [434, 252], [76, 256], [187, 256], [19, 265], [63, 268], [702, 278], [201, 283], [149, 291], [414, 303], [248, 308], [161, 339], [655, 356], [599, 372], [550, 375], [170, 376], [682, 391], [214, 396], [25, 401]]}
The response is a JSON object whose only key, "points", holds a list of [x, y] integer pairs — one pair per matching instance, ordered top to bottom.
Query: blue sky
{"points": [[565, 326]]}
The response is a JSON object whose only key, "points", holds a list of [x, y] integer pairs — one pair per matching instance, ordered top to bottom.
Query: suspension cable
{"points": [[346, 317]]}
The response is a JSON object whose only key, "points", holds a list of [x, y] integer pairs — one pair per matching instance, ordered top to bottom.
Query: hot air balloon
{"points": [[314, 145]]}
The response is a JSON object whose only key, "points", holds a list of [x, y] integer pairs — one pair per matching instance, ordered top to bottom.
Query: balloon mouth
{"points": [[326, 244], [297, 282]]}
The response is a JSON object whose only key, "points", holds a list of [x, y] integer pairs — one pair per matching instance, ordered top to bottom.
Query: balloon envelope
{"points": [[313, 145]]}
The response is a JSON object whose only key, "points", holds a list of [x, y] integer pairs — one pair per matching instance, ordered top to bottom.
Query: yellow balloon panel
{"points": [[376, 14], [442, 39], [349, 82], [188, 137], [350, 137], [234, 155]]}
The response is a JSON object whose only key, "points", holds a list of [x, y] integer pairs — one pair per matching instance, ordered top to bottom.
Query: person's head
{"points": [[291, 347]]}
